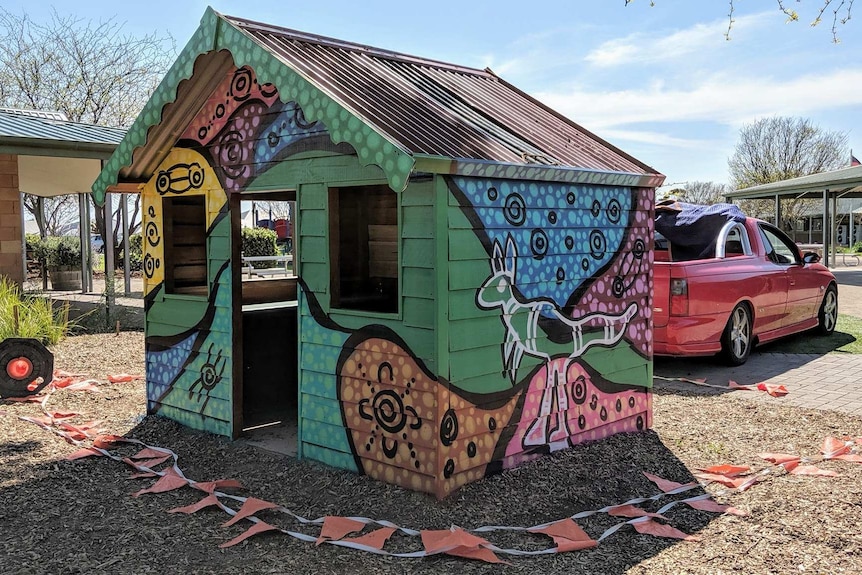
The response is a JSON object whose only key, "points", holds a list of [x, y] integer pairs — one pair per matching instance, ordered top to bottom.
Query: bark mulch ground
{"points": [[59, 516]]}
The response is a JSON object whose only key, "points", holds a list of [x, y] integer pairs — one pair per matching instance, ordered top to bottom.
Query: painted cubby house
{"points": [[471, 271]]}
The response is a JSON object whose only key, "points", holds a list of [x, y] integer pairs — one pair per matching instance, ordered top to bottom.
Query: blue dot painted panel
{"points": [[564, 234]]}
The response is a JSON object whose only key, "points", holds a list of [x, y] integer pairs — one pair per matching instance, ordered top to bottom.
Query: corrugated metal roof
{"points": [[438, 109], [25, 126], [847, 181]]}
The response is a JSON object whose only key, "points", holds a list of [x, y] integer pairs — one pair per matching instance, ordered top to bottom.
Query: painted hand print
{"points": [[521, 316]]}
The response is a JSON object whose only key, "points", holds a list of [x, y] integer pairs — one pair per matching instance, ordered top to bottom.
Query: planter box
{"points": [[66, 278]]}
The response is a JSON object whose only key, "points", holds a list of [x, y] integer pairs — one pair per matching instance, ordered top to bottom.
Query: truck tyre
{"points": [[828, 314], [736, 341]]}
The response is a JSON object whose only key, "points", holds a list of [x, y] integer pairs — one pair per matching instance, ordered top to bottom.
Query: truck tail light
{"points": [[678, 297]]}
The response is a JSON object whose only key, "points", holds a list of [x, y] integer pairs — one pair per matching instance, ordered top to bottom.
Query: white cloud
{"points": [[640, 48], [721, 98], [656, 138]]}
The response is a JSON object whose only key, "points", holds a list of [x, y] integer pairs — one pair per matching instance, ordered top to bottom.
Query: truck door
{"points": [[784, 257]]}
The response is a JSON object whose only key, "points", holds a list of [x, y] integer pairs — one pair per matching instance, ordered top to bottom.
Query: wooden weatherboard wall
{"points": [[496, 319]]}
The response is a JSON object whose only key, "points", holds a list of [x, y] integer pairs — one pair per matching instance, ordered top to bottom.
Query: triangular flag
{"points": [[122, 378], [733, 385], [773, 390], [109, 441], [832, 446], [85, 452], [150, 453], [853, 457], [779, 458], [728, 470], [813, 471], [168, 482], [734, 482], [665, 484], [211, 486], [207, 501], [714, 506], [250, 507], [632, 511], [259, 527], [335, 527], [651, 527], [568, 535], [376, 539], [458, 543]]}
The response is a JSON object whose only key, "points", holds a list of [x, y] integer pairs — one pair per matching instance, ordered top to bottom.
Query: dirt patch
{"points": [[76, 517]]}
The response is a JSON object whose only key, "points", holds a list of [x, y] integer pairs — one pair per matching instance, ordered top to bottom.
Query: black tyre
{"points": [[828, 314], [737, 339]]}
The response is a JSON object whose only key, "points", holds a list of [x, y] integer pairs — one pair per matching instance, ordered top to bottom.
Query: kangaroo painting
{"points": [[521, 319]]}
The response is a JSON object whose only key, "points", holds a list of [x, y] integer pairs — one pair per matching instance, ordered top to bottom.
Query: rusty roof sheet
{"points": [[437, 109]]}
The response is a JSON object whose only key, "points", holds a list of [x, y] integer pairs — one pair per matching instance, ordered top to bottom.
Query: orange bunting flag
{"points": [[122, 378], [733, 385], [82, 386], [773, 390], [62, 414], [109, 441], [832, 447], [85, 452], [150, 453], [852, 457], [779, 458], [728, 470], [812, 470], [167, 482], [734, 482], [664, 484], [211, 486], [207, 501], [715, 506], [250, 507], [632, 511], [259, 527], [652, 527], [336, 528], [568, 535], [376, 539], [458, 543]]}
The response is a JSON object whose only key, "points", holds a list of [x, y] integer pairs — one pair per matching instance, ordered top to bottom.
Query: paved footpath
{"points": [[830, 381]]}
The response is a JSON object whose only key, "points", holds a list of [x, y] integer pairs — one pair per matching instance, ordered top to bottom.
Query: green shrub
{"points": [[259, 242], [857, 247], [60, 251], [136, 254], [36, 316]]}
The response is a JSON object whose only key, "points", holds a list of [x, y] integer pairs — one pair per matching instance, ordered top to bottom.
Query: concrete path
{"points": [[831, 381]]}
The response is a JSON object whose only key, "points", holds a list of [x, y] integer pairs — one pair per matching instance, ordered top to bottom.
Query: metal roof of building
{"points": [[437, 109], [431, 117], [14, 124], [845, 181]]}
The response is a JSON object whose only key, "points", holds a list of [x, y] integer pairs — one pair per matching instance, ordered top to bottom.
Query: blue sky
{"points": [[660, 82]]}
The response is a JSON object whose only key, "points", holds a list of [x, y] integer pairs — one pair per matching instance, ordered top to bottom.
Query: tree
{"points": [[840, 12], [91, 71], [779, 148], [704, 193], [54, 216]]}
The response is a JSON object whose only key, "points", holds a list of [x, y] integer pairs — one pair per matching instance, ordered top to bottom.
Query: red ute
{"points": [[744, 285]]}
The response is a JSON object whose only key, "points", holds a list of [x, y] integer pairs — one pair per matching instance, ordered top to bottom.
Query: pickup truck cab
{"points": [[745, 285]]}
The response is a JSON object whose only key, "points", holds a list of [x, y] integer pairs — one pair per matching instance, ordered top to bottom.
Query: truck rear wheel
{"points": [[736, 340]]}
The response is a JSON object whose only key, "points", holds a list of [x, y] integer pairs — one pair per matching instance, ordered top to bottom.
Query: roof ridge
{"points": [[352, 46]]}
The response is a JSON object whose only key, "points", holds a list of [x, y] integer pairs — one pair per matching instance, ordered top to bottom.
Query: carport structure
{"points": [[46, 155], [829, 187]]}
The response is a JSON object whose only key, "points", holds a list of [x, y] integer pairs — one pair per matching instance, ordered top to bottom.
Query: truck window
{"points": [[779, 248]]}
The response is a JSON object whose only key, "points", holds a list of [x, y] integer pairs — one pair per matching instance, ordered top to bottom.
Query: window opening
{"points": [[363, 228], [185, 245]]}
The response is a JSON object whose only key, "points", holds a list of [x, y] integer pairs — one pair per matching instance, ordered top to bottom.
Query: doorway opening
{"points": [[269, 324]]}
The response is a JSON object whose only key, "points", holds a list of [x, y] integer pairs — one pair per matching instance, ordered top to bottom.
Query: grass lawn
{"points": [[847, 338]]}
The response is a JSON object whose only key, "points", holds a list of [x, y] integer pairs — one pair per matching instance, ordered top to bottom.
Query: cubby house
{"points": [[471, 271]]}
